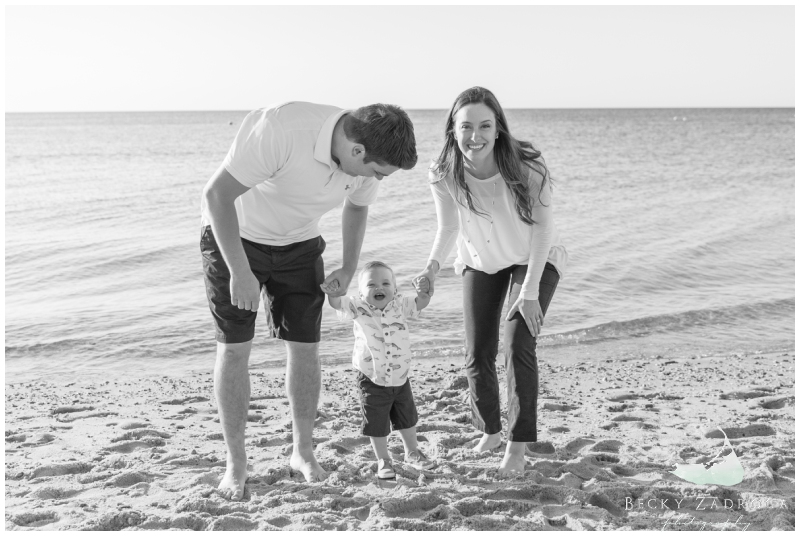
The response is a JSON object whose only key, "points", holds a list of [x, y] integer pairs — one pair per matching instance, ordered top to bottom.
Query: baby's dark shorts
{"points": [[381, 406]]}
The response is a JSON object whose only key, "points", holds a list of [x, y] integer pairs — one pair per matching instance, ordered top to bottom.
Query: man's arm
{"points": [[220, 193], [354, 225]]}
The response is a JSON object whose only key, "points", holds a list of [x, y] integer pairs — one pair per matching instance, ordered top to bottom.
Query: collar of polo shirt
{"points": [[322, 149]]}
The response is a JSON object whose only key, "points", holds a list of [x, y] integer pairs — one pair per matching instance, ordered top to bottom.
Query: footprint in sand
{"points": [[745, 395], [622, 397], [187, 400], [776, 402], [559, 407], [70, 409], [98, 414], [130, 425], [440, 427], [752, 430], [139, 433], [17, 438], [39, 439], [271, 442], [448, 443], [577, 444], [346, 445], [607, 445], [129, 446], [541, 447], [72, 468], [548, 468], [128, 479], [53, 493], [411, 504], [34, 519], [116, 521], [282, 521], [233, 522]]}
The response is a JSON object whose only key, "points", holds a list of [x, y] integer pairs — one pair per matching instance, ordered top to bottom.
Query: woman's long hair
{"points": [[513, 157]]}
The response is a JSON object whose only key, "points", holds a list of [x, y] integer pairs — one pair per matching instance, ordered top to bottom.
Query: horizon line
{"points": [[423, 109]]}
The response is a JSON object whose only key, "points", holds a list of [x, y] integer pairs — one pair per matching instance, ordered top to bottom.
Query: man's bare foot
{"points": [[488, 442], [513, 463], [307, 464], [232, 484]]}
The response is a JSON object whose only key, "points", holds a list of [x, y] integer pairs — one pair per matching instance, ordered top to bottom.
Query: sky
{"points": [[143, 58]]}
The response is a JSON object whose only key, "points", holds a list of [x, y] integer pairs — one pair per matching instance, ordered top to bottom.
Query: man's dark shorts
{"points": [[289, 276], [382, 405]]}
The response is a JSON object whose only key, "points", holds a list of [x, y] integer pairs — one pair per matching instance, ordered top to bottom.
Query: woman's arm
{"points": [[446, 221], [446, 231], [541, 236]]}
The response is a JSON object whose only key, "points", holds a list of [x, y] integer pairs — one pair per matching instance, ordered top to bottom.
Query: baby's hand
{"points": [[422, 285], [330, 288]]}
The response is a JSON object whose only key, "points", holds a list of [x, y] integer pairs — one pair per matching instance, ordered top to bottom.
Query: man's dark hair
{"points": [[386, 132]]}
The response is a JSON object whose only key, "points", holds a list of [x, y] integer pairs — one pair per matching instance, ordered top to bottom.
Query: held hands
{"points": [[429, 275], [336, 284], [422, 285], [331, 289], [245, 291], [531, 313]]}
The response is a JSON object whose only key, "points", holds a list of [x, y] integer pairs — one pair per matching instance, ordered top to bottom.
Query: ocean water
{"points": [[679, 223]]}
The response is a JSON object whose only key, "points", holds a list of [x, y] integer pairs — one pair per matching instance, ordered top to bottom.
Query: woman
{"points": [[492, 195]]}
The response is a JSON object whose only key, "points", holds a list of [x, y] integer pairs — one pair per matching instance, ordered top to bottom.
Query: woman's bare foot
{"points": [[488, 442], [306, 463], [513, 463], [231, 486]]}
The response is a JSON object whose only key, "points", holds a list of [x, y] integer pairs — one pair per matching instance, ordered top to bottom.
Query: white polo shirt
{"points": [[284, 155]]}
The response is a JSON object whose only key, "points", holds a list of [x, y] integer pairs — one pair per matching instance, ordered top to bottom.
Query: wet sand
{"points": [[147, 454]]}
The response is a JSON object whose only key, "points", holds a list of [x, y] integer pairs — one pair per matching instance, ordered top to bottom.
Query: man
{"points": [[287, 167]]}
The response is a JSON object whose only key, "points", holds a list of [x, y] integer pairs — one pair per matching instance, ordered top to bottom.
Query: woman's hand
{"points": [[428, 273], [531, 313]]}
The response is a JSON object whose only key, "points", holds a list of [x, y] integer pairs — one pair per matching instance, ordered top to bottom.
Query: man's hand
{"points": [[337, 283], [330, 288], [245, 291], [531, 313]]}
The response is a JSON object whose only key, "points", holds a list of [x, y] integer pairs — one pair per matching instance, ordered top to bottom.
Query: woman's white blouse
{"points": [[499, 239]]}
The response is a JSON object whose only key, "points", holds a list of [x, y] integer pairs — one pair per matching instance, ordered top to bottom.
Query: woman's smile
{"points": [[475, 132]]}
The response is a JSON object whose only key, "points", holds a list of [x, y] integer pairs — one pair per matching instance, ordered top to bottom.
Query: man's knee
{"points": [[235, 352], [302, 353]]}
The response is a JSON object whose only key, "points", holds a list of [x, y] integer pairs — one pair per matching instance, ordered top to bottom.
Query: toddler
{"points": [[382, 357]]}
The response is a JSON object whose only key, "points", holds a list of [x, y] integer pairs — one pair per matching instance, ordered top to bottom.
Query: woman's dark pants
{"points": [[484, 295]]}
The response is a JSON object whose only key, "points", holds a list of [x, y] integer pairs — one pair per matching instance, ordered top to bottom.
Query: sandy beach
{"points": [[147, 454]]}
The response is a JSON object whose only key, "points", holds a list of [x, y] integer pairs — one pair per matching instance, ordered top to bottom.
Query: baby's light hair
{"points": [[375, 264]]}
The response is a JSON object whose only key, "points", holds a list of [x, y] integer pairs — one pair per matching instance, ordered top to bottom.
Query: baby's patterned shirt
{"points": [[382, 350]]}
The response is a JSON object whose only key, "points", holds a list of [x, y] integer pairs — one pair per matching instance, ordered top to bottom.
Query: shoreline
{"points": [[147, 453]]}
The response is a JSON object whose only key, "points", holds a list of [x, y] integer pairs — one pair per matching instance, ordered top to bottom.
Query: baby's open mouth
{"points": [[379, 295]]}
